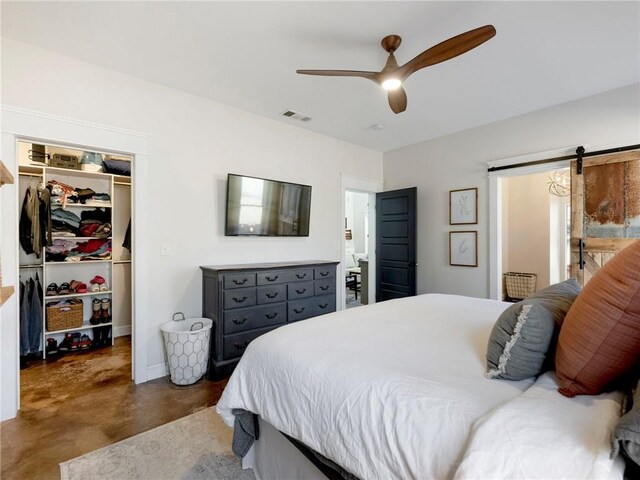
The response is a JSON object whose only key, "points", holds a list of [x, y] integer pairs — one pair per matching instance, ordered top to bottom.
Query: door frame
{"points": [[21, 124], [370, 186], [495, 198]]}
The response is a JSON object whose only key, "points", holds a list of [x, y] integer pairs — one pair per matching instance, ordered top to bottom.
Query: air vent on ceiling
{"points": [[296, 115]]}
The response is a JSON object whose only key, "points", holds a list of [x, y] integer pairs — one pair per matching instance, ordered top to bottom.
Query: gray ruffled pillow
{"points": [[519, 341]]}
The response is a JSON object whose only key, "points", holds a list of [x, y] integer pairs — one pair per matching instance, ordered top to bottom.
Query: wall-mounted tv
{"points": [[262, 207]]}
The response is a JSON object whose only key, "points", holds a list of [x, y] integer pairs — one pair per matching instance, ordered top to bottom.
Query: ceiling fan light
{"points": [[391, 84]]}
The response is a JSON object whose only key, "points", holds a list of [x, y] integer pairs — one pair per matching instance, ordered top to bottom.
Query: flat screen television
{"points": [[263, 207]]}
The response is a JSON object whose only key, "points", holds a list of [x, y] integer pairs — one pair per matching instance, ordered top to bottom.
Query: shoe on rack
{"points": [[97, 279], [94, 287], [104, 287], [65, 289], [52, 290], [96, 306], [105, 317], [106, 336], [97, 337], [75, 342], [85, 342], [65, 344], [52, 346]]}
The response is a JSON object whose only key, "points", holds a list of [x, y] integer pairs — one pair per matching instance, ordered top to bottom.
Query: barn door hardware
{"points": [[579, 153], [581, 262]]}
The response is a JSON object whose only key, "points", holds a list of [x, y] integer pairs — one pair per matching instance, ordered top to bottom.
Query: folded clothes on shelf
{"points": [[62, 194], [91, 223], [63, 250]]}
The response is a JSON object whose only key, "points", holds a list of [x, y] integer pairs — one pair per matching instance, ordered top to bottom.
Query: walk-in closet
{"points": [[74, 250]]}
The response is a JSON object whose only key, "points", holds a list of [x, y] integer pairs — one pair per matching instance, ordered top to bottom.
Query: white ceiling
{"points": [[245, 54]]}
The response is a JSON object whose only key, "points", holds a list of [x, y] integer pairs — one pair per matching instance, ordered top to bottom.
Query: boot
{"points": [[96, 316], [105, 317], [106, 336], [97, 337]]}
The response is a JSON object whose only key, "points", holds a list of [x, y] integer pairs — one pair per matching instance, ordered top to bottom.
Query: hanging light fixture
{"points": [[560, 183]]}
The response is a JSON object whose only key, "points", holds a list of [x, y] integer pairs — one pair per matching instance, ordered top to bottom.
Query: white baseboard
{"points": [[122, 331], [156, 371]]}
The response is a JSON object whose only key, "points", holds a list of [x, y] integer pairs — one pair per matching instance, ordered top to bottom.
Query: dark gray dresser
{"points": [[245, 301]]}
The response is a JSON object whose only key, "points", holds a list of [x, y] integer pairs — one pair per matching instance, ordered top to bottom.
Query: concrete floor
{"points": [[85, 401]]}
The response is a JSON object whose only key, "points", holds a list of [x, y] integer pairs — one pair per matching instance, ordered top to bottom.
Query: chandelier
{"points": [[560, 183]]}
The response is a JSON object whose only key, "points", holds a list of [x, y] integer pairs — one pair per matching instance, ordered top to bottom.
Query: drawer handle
{"points": [[324, 274], [301, 276], [271, 279], [240, 282], [324, 287], [300, 292], [272, 295], [240, 300], [324, 305], [299, 310], [271, 316], [240, 322], [241, 346]]}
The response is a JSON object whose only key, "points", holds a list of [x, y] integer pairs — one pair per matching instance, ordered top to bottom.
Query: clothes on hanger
{"points": [[35, 221], [127, 237], [30, 316]]}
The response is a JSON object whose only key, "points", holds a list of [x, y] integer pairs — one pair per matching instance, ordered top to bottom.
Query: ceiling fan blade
{"points": [[448, 49], [342, 73], [398, 100]]}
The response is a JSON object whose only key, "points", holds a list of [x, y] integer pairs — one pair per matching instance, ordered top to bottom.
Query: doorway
{"points": [[536, 222], [356, 258]]}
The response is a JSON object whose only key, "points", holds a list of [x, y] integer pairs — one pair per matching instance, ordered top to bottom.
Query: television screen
{"points": [[258, 206]]}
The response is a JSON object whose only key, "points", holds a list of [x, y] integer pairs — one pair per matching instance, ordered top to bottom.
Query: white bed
{"points": [[397, 390]]}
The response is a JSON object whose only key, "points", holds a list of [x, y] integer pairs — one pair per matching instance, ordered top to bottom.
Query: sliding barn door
{"points": [[605, 210]]}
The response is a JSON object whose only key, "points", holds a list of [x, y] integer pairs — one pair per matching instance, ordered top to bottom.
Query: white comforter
{"points": [[390, 390]]}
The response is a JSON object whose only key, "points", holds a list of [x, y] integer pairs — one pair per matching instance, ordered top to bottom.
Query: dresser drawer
{"points": [[324, 272], [301, 275], [272, 277], [239, 280], [323, 287], [300, 290], [271, 294], [240, 297], [324, 304], [300, 309], [242, 319], [235, 345]]}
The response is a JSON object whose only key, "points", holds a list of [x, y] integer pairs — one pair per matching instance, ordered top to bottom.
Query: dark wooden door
{"points": [[395, 244]]}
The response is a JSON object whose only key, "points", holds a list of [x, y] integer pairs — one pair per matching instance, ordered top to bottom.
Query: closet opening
{"points": [[536, 229], [357, 248], [75, 269]]}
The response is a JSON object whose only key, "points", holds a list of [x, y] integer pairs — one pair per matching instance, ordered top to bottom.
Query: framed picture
{"points": [[463, 207], [463, 249]]}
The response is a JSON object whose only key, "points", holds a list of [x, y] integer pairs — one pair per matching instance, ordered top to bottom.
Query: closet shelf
{"points": [[29, 169], [81, 205], [64, 237], [78, 263], [36, 265], [73, 295], [83, 327]]}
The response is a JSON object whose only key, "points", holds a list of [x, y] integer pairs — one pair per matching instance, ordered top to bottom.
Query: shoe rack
{"points": [[61, 271]]}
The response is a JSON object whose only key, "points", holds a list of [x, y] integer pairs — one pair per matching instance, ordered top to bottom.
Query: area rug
{"points": [[194, 447]]}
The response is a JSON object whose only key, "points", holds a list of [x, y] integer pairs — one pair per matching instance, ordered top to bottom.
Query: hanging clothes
{"points": [[35, 221], [127, 237], [30, 316]]}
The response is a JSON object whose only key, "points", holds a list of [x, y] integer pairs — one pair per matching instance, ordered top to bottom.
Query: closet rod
{"points": [[566, 157], [30, 266]]}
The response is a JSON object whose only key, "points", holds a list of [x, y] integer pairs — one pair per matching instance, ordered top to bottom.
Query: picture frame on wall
{"points": [[463, 206], [463, 249]]}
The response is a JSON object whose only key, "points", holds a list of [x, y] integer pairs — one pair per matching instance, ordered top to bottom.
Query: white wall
{"points": [[193, 144], [459, 161], [356, 213]]}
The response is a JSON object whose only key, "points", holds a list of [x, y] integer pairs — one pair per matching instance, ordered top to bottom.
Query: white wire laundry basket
{"points": [[520, 285], [186, 342]]}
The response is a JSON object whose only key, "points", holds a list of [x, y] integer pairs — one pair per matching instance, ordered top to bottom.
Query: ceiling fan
{"points": [[392, 75]]}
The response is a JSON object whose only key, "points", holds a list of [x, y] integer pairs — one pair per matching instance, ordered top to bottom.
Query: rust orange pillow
{"points": [[600, 337]]}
